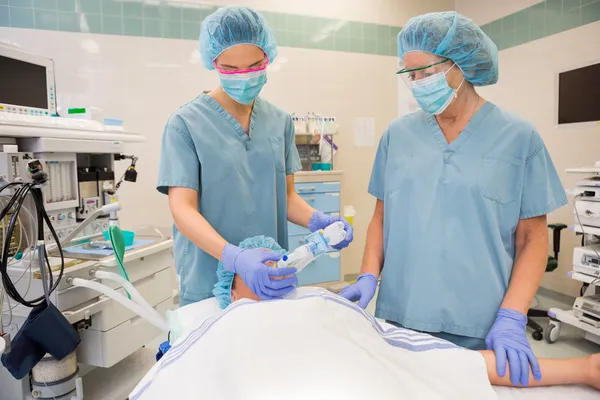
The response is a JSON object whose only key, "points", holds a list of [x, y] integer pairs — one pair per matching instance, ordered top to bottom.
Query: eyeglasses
{"points": [[231, 71], [412, 74]]}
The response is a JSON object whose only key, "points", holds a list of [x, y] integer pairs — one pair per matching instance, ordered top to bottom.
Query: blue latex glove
{"points": [[321, 220], [250, 265], [363, 290], [507, 339]]}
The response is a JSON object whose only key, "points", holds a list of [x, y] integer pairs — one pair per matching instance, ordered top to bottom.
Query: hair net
{"points": [[232, 25], [454, 36], [222, 290]]}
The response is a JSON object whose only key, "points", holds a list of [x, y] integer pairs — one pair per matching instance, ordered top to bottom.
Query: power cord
{"points": [[14, 206]]}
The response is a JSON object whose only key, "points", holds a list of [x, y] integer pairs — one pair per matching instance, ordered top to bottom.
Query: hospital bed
{"points": [[185, 320]]}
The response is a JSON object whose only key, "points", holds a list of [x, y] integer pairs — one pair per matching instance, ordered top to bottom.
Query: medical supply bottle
{"points": [[317, 244]]}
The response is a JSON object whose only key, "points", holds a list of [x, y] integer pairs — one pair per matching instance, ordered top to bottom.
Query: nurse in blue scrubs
{"points": [[227, 164], [463, 187]]}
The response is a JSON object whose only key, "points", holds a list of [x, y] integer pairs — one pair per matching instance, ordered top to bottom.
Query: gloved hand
{"points": [[321, 220], [250, 265], [363, 290], [507, 339]]}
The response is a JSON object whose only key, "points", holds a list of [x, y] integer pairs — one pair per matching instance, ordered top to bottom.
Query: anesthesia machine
{"points": [[72, 291]]}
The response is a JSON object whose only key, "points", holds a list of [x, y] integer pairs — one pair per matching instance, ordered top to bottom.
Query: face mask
{"points": [[245, 87], [433, 93]]}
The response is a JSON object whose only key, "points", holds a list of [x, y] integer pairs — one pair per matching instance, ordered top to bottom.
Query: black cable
{"points": [[17, 201]]}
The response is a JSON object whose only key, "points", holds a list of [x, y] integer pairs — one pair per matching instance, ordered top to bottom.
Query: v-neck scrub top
{"points": [[240, 179], [450, 216]]}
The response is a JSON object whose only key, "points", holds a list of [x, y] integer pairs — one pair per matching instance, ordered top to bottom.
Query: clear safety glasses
{"points": [[230, 71], [410, 75]]}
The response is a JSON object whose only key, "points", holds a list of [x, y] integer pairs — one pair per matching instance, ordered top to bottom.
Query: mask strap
{"points": [[458, 88]]}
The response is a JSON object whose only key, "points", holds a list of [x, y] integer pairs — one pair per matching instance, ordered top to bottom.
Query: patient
{"points": [[578, 371]]}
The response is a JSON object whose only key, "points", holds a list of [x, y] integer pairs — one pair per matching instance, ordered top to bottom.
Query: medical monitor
{"points": [[26, 83], [579, 95]]}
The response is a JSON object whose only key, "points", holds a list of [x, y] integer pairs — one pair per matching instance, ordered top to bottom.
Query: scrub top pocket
{"points": [[277, 146], [500, 179]]}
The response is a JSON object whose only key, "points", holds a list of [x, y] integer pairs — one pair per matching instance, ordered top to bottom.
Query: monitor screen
{"points": [[22, 83], [579, 95]]}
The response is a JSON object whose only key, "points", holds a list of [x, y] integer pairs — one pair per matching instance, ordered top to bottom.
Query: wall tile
{"points": [[4, 3], [20, 3], [44, 4], [571, 4], [65, 5], [90, 6], [111, 7], [132, 9], [174, 13], [590, 13], [4, 17], [21, 17], [571, 18], [46, 20], [68, 21], [537, 21], [92, 23], [112, 25], [133, 27], [152, 28], [173, 29], [191, 30], [356, 30], [341, 43]]}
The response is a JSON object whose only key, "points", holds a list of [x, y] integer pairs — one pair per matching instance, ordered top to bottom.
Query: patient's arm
{"points": [[570, 371]]}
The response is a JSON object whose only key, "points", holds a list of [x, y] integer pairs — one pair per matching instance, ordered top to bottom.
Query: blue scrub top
{"points": [[240, 179], [450, 216]]}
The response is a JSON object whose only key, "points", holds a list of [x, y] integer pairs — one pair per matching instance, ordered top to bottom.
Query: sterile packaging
{"points": [[349, 214]]}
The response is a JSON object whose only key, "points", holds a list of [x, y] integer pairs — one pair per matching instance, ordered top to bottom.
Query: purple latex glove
{"points": [[321, 220], [250, 265], [363, 290], [507, 339]]}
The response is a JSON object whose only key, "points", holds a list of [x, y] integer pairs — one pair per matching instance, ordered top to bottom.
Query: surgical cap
{"points": [[230, 26], [454, 36], [222, 290]]}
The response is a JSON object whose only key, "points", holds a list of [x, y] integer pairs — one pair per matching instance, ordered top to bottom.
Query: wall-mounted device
{"points": [[27, 83], [579, 95], [587, 260]]}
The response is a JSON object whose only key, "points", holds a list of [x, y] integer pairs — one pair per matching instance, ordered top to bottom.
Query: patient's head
{"points": [[230, 287]]}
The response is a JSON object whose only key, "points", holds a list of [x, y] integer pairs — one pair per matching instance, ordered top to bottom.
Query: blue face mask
{"points": [[245, 87], [433, 93]]}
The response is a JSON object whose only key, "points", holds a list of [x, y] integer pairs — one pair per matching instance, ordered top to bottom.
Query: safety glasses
{"points": [[226, 71], [410, 75]]}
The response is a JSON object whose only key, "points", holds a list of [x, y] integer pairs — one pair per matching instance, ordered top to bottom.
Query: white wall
{"points": [[143, 80], [528, 87]]}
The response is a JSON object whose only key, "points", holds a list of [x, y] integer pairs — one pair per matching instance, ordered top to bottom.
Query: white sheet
{"points": [[318, 346]]}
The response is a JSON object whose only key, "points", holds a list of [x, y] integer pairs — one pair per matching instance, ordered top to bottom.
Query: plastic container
{"points": [[316, 166], [325, 166], [349, 213], [128, 235]]}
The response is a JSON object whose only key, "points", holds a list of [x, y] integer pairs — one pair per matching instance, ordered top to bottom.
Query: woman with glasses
{"points": [[227, 164], [458, 235]]}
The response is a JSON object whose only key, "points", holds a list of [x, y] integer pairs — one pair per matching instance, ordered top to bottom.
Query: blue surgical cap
{"points": [[230, 26], [454, 36], [222, 290]]}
